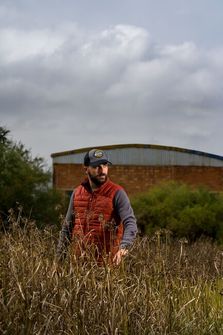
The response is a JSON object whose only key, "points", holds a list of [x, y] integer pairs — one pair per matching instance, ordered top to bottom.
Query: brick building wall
{"points": [[136, 179]]}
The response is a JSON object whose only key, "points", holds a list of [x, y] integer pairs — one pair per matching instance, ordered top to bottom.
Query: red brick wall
{"points": [[137, 179]]}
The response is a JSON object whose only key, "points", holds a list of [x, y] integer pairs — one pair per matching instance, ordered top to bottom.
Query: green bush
{"points": [[185, 211]]}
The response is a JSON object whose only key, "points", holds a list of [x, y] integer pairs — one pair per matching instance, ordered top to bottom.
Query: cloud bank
{"points": [[64, 88]]}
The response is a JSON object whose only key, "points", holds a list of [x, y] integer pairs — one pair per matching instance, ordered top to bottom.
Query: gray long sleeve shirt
{"points": [[122, 208]]}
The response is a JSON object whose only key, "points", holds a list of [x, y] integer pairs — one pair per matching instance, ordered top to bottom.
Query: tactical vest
{"points": [[95, 222]]}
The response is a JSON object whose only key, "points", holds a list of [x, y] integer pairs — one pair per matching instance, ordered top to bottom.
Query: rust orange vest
{"points": [[96, 223]]}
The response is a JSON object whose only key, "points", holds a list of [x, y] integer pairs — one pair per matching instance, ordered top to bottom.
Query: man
{"points": [[99, 214]]}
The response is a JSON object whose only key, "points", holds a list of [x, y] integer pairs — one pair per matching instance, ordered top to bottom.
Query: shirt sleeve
{"points": [[125, 212], [66, 231]]}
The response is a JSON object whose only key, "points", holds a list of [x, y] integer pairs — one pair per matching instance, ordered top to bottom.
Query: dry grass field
{"points": [[162, 287]]}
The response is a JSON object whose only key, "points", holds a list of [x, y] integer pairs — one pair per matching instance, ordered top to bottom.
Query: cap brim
{"points": [[99, 162]]}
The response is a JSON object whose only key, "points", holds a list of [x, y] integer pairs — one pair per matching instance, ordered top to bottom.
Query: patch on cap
{"points": [[98, 154]]}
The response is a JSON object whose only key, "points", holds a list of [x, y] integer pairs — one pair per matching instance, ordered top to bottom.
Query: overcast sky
{"points": [[100, 72]]}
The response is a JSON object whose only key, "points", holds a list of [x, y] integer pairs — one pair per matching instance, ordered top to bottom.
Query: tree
{"points": [[24, 182]]}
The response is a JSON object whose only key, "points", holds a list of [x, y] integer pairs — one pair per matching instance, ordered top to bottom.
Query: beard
{"points": [[98, 180]]}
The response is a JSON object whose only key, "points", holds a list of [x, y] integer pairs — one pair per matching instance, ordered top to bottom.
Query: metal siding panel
{"points": [[147, 156]]}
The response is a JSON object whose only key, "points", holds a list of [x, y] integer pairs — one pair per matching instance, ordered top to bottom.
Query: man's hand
{"points": [[118, 256]]}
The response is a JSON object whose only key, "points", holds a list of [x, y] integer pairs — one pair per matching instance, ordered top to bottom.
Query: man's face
{"points": [[97, 175]]}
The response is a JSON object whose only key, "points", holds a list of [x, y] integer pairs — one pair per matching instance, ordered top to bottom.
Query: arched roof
{"points": [[143, 154]]}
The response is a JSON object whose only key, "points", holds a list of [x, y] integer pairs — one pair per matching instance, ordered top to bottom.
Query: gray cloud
{"points": [[66, 87]]}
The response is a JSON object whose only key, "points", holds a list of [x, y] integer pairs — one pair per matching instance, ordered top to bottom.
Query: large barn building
{"points": [[138, 167]]}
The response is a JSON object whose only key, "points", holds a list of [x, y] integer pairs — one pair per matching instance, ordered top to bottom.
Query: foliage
{"points": [[24, 182], [186, 211], [161, 288]]}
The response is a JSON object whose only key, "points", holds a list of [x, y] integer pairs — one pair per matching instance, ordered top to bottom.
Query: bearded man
{"points": [[99, 216]]}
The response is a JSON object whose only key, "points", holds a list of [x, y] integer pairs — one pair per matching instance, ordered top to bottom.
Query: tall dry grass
{"points": [[162, 287]]}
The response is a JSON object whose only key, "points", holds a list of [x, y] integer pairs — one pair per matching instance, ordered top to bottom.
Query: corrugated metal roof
{"points": [[144, 154]]}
